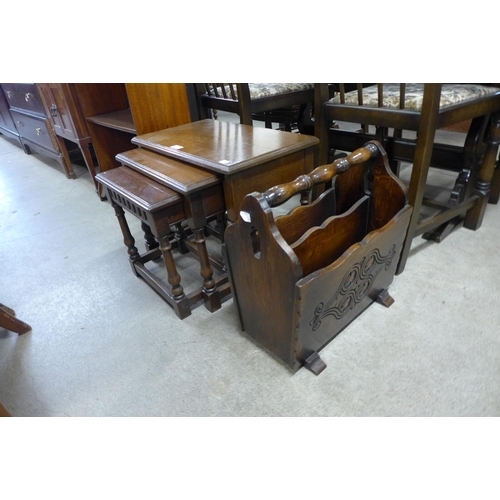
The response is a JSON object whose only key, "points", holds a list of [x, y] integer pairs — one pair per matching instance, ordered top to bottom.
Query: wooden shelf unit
{"points": [[117, 112]]}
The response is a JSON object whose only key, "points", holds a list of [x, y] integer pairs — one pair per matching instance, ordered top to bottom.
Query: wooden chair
{"points": [[283, 103], [423, 108]]}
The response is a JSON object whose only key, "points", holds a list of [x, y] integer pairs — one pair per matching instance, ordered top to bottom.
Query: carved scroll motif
{"points": [[355, 285]]}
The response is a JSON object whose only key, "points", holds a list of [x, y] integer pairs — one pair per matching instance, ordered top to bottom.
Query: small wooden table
{"points": [[248, 158], [202, 199]]}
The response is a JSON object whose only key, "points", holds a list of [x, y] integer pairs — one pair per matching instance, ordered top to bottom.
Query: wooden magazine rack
{"points": [[299, 279]]}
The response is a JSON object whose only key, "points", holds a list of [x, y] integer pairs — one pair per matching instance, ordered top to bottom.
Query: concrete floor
{"points": [[104, 344]]}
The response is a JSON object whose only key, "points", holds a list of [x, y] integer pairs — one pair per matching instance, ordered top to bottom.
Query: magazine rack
{"points": [[300, 279]]}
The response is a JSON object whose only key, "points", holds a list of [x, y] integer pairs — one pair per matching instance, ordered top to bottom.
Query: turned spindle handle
{"points": [[279, 194]]}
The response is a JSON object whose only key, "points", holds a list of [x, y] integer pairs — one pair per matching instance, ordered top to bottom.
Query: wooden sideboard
{"points": [[100, 118], [31, 125], [7, 126]]}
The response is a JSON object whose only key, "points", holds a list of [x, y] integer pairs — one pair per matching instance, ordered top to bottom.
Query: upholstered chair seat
{"points": [[451, 93]]}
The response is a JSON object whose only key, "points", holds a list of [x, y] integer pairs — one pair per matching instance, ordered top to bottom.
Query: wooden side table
{"points": [[247, 158], [203, 199], [160, 209]]}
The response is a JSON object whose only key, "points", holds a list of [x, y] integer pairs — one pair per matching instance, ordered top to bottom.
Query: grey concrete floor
{"points": [[104, 344]]}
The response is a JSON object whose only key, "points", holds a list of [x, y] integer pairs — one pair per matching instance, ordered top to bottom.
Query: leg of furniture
{"points": [[424, 108], [87, 157], [65, 160], [420, 170], [495, 185], [203, 200], [156, 207], [160, 209], [474, 217], [197, 220], [180, 238], [128, 239], [150, 241], [174, 278], [211, 295], [9, 321], [4, 412]]}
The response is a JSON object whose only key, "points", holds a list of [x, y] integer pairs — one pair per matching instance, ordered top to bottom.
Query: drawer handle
{"points": [[9, 93], [28, 96], [53, 110], [38, 131]]}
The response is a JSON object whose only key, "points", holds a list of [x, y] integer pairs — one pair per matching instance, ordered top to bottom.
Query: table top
{"points": [[224, 147], [169, 172], [145, 192]]}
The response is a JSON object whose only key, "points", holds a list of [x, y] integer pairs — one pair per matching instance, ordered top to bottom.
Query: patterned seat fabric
{"points": [[261, 90], [452, 93]]}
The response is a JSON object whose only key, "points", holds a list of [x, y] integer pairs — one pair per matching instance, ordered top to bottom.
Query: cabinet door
{"points": [[58, 110]]}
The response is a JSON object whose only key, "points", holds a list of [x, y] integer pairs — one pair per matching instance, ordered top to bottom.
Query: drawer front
{"points": [[23, 96], [5, 118], [34, 129]]}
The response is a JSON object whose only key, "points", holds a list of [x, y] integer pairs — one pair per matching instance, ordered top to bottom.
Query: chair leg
{"points": [[321, 123], [421, 164], [495, 186], [474, 216], [10, 322], [4, 412]]}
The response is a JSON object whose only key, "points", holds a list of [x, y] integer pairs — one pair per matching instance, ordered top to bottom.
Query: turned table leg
{"points": [[149, 238], [128, 239], [174, 278], [210, 293]]}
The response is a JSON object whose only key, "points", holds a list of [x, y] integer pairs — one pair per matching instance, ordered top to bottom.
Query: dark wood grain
{"points": [[157, 106], [286, 109], [66, 116], [116, 120], [224, 147], [257, 158], [181, 177], [468, 198], [163, 211], [321, 245], [293, 298]]}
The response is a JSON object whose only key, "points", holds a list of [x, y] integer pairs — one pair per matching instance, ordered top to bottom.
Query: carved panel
{"points": [[355, 286]]}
